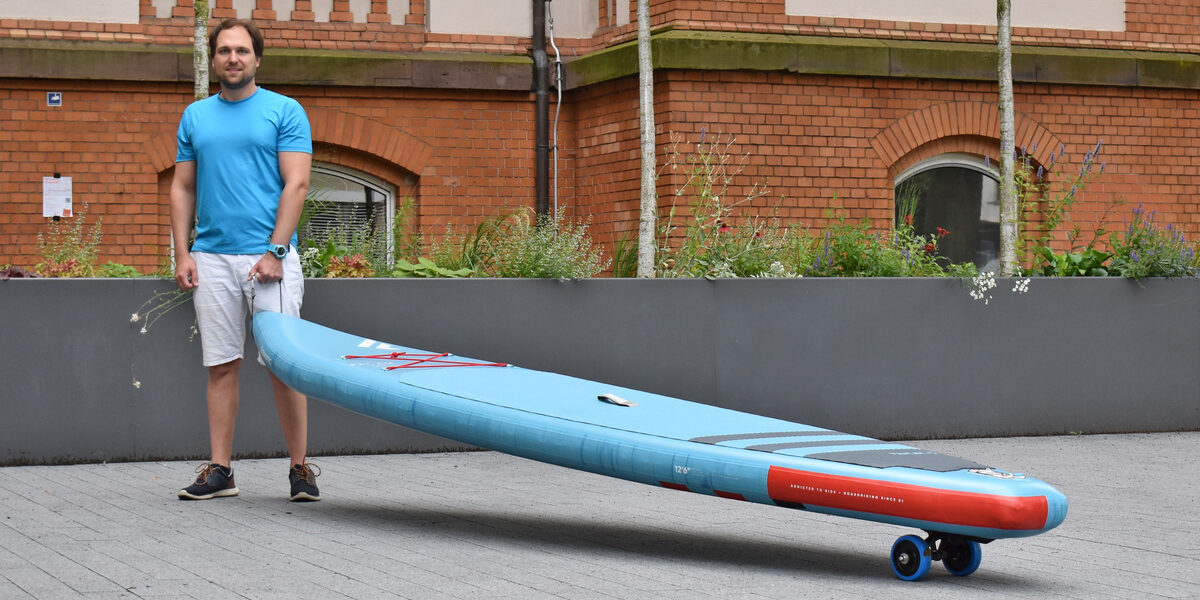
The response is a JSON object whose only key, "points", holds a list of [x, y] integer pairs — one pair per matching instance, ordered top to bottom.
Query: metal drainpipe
{"points": [[541, 94]]}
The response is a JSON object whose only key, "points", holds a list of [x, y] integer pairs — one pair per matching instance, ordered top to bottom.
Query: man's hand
{"points": [[268, 269], [185, 273]]}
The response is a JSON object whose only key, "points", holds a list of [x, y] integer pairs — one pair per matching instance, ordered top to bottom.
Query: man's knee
{"points": [[224, 370]]}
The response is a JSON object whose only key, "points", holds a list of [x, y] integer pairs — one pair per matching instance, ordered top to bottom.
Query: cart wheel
{"points": [[960, 555], [911, 558]]}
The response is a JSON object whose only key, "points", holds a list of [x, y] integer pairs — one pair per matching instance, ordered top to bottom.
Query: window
{"points": [[960, 194], [353, 209]]}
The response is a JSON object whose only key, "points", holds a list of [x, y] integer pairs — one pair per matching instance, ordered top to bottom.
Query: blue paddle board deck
{"points": [[654, 439]]}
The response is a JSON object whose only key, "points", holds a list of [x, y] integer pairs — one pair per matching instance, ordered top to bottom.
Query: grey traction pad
{"points": [[912, 458]]}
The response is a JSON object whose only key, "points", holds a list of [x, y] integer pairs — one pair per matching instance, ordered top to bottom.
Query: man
{"points": [[241, 175]]}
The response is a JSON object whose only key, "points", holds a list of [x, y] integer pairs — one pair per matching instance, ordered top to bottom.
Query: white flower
{"points": [[981, 284], [1021, 286], [134, 318], [143, 329], [137, 384]]}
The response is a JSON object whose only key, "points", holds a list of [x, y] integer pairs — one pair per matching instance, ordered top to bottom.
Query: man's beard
{"points": [[233, 86]]}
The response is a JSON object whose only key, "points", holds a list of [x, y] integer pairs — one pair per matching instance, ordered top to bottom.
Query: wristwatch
{"points": [[279, 250]]}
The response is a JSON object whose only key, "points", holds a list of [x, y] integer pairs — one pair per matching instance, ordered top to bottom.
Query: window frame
{"points": [[960, 160], [378, 186]]}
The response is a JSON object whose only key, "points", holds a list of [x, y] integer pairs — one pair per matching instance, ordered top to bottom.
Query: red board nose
{"points": [[971, 509]]}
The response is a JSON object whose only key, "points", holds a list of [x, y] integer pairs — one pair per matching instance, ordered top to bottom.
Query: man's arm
{"points": [[295, 168], [183, 217]]}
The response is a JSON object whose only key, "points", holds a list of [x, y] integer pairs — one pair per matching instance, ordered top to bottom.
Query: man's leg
{"points": [[292, 407], [222, 409], [216, 478]]}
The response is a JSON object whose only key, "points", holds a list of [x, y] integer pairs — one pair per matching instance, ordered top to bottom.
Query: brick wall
{"points": [[96, 138], [814, 140], [823, 141], [463, 155]]}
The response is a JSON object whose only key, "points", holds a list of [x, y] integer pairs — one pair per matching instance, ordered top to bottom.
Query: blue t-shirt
{"points": [[235, 146]]}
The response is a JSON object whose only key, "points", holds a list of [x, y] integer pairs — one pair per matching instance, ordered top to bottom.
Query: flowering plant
{"points": [[1146, 249], [350, 265]]}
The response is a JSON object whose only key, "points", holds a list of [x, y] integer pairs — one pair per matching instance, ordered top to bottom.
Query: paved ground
{"points": [[484, 525]]}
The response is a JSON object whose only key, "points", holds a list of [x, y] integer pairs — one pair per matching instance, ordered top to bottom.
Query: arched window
{"points": [[960, 194], [353, 209]]}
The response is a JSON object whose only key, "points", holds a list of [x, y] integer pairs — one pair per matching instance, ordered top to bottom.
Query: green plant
{"points": [[1055, 210], [406, 239], [711, 240], [545, 246], [69, 249], [1146, 249], [475, 250], [854, 250], [625, 254], [315, 259], [1089, 262], [425, 267], [112, 269]]}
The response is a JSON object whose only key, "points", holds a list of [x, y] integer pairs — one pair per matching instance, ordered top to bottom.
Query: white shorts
{"points": [[225, 295]]}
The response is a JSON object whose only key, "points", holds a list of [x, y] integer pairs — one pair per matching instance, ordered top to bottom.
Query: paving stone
{"points": [[483, 526]]}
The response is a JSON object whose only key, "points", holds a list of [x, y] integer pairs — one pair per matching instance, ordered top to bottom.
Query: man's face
{"points": [[235, 63]]}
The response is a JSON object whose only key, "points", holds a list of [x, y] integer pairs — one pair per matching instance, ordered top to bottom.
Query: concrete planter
{"points": [[892, 358]]}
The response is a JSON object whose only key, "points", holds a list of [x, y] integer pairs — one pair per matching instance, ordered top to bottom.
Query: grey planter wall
{"points": [[892, 358]]}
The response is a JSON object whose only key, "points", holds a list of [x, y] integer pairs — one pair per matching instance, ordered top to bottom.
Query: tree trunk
{"points": [[200, 50], [649, 206], [1009, 217]]}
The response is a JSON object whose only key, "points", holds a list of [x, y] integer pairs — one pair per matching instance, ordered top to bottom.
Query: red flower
{"points": [[908, 219], [724, 229], [942, 232], [930, 248]]}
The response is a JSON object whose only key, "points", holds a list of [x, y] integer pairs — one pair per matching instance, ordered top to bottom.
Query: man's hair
{"points": [[256, 37]]}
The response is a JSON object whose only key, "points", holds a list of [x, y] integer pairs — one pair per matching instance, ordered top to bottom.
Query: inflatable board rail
{"points": [[669, 442]]}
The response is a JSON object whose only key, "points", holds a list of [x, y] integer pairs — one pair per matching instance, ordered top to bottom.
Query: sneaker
{"points": [[213, 481], [304, 483]]}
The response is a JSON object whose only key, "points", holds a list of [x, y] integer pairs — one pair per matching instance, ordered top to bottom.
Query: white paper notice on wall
{"points": [[56, 197]]}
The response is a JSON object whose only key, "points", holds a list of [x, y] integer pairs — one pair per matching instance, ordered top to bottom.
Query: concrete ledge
{"points": [[687, 50], [701, 50], [134, 62], [891, 358]]}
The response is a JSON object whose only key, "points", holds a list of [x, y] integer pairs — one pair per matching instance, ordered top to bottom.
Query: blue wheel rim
{"points": [[910, 558]]}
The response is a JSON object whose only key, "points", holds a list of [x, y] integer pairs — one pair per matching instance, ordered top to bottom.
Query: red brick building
{"points": [[431, 99]]}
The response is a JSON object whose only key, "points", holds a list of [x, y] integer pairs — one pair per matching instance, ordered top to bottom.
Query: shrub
{"points": [[545, 246], [69, 248], [1146, 249]]}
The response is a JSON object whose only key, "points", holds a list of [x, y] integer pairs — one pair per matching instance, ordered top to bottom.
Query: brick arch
{"points": [[960, 119], [333, 127], [391, 144], [160, 151]]}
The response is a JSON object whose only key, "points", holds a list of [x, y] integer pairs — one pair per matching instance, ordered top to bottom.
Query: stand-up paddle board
{"points": [[668, 442]]}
